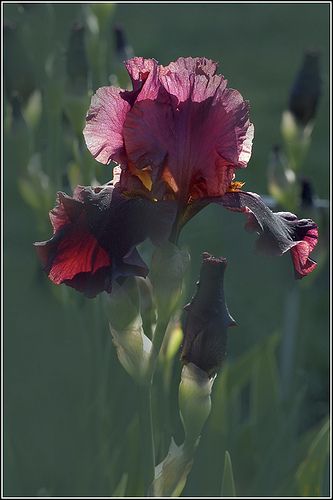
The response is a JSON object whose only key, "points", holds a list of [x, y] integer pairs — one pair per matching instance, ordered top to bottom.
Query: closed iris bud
{"points": [[123, 49], [77, 63], [306, 90], [307, 193], [208, 318]]}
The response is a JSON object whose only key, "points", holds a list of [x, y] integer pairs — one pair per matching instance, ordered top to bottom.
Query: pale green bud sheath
{"points": [[133, 346], [194, 403]]}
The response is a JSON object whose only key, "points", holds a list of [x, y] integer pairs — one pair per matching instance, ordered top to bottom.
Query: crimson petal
{"points": [[278, 232], [95, 235]]}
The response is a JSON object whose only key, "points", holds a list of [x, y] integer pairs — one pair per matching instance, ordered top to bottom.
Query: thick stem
{"points": [[147, 437]]}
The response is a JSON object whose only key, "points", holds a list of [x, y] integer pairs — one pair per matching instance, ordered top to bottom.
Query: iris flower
{"points": [[178, 138]]}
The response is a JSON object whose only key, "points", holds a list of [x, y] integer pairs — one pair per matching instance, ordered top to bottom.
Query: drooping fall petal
{"points": [[279, 232], [95, 235]]}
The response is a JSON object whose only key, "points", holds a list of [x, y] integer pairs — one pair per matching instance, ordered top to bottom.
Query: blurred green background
{"points": [[71, 425]]}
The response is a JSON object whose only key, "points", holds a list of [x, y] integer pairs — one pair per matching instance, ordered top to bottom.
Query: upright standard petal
{"points": [[108, 109], [103, 132], [194, 133], [278, 232], [95, 235]]}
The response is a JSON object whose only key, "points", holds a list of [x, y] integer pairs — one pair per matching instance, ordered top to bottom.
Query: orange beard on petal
{"points": [[144, 175], [169, 179], [235, 186], [150, 188]]}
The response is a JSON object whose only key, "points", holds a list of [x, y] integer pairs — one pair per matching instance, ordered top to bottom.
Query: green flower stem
{"points": [[158, 337], [146, 418], [147, 436]]}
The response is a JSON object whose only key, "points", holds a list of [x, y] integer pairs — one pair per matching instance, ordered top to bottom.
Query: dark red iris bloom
{"points": [[181, 134], [178, 137]]}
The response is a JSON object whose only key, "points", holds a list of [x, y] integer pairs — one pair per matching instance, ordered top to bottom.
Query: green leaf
{"points": [[104, 13], [75, 107], [33, 110], [29, 194], [265, 387], [310, 473], [228, 483], [120, 489]]}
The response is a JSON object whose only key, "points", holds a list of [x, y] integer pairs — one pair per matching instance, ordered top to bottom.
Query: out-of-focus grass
{"points": [[70, 410]]}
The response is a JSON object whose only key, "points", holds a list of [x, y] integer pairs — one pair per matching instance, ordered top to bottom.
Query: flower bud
{"points": [[123, 50], [77, 63], [306, 90], [77, 98], [281, 179], [307, 193], [205, 331]]}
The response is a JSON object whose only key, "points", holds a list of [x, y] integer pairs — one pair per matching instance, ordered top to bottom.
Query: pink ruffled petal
{"points": [[195, 65], [144, 76], [191, 78], [179, 121], [195, 127], [103, 132], [303, 265]]}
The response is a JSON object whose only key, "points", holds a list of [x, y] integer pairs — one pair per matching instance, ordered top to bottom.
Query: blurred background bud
{"points": [[104, 13], [122, 48], [122, 51], [76, 60], [19, 79], [306, 90], [76, 97], [298, 120], [20, 133], [297, 140], [281, 179], [37, 190], [307, 193], [208, 318]]}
